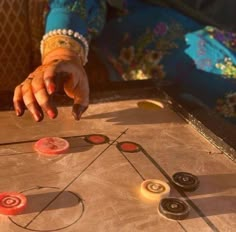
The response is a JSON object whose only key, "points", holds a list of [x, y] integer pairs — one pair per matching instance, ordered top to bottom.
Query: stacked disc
{"points": [[51, 146], [185, 181], [154, 189], [12, 203], [170, 207], [173, 208]]}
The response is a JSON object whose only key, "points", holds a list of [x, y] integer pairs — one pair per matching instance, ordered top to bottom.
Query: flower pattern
{"points": [[160, 29], [227, 38], [165, 44], [143, 59], [228, 69]]}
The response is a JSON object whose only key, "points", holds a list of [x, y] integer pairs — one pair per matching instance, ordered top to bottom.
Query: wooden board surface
{"points": [[97, 187]]}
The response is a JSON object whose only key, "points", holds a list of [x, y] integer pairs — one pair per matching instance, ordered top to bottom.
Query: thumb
{"points": [[80, 95]]}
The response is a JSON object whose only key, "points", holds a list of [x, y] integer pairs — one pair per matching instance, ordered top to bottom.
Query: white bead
{"points": [[64, 32], [70, 32], [76, 34]]}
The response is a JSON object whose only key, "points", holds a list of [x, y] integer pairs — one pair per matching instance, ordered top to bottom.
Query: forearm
{"points": [[71, 24]]}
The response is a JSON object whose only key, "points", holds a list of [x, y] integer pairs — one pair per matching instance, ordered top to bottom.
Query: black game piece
{"points": [[186, 181], [174, 208]]}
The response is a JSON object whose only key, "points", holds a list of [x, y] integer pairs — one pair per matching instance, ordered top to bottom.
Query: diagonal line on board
{"points": [[34, 140], [142, 177], [74, 179], [182, 193]]}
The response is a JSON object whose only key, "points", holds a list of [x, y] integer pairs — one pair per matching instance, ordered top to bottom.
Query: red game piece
{"points": [[97, 139], [51, 145], [128, 147], [12, 203]]}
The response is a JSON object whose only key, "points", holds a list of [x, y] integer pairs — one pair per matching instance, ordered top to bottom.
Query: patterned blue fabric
{"points": [[85, 17], [150, 41]]}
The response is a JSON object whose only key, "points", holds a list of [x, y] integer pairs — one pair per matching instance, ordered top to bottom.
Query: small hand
{"points": [[34, 93]]}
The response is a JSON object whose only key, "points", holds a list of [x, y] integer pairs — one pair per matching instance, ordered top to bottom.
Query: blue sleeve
{"points": [[86, 17]]}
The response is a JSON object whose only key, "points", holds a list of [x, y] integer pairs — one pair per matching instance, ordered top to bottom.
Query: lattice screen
{"points": [[37, 9], [15, 50]]}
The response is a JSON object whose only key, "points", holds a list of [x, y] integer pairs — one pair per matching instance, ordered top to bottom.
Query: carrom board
{"points": [[96, 187]]}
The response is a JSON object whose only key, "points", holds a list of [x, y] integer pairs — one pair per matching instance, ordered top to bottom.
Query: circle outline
{"points": [[106, 139], [138, 147], [57, 229]]}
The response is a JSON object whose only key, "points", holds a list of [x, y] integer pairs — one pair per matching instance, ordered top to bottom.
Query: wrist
{"points": [[66, 39], [61, 54]]}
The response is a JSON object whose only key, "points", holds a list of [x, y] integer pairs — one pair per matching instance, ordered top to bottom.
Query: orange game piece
{"points": [[51, 146], [12, 203]]}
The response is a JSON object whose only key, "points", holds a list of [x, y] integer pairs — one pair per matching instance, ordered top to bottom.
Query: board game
{"points": [[95, 185]]}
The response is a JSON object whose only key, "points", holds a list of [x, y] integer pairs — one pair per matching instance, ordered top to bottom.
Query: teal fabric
{"points": [[86, 17], [151, 41]]}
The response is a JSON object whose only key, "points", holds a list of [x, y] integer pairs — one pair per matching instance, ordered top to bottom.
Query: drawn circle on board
{"points": [[96, 139], [128, 146], [186, 181], [12, 203], [64, 208], [173, 208]]}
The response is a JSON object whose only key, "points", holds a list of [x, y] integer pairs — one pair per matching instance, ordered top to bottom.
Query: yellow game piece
{"points": [[150, 105], [154, 189]]}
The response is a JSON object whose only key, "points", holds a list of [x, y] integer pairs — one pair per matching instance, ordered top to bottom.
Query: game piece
{"points": [[150, 104], [97, 139], [51, 146], [128, 147], [186, 181], [154, 189], [12, 203], [173, 208]]}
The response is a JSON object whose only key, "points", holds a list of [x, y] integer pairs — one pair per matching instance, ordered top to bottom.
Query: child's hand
{"points": [[33, 93]]}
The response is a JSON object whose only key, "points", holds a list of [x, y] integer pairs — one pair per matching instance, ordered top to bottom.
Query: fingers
{"points": [[50, 74], [48, 77], [76, 86], [34, 93], [42, 97], [81, 97], [18, 101], [30, 101], [78, 110]]}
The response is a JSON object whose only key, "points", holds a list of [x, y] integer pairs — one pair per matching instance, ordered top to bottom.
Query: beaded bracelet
{"points": [[64, 38]]}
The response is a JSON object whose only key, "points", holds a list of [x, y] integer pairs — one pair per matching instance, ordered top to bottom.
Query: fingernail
{"points": [[49, 85], [51, 89], [78, 110], [18, 112], [51, 113], [38, 117]]}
